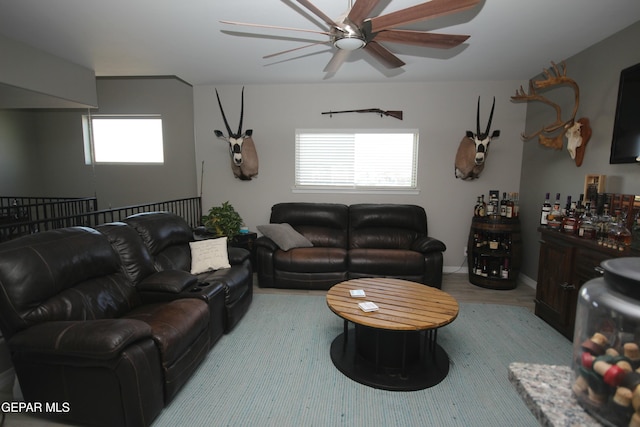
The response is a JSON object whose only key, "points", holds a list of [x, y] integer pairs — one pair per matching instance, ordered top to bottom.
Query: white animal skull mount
{"points": [[552, 135], [474, 148], [244, 157]]}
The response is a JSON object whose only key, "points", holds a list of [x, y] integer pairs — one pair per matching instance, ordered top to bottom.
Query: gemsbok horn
{"points": [[244, 157]]}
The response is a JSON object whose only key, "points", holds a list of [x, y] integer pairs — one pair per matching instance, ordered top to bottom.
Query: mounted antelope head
{"points": [[577, 132], [474, 148], [244, 158]]}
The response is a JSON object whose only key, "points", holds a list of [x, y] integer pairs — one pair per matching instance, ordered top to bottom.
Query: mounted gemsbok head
{"points": [[474, 148], [244, 158]]}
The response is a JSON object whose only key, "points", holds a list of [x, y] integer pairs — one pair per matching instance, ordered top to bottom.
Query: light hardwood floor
{"points": [[456, 285]]}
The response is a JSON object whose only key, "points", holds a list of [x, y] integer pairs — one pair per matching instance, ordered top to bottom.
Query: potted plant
{"points": [[223, 221]]}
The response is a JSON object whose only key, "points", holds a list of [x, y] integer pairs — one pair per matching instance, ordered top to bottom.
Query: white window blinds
{"points": [[356, 159]]}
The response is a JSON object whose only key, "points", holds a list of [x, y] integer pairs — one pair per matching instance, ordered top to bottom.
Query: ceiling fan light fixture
{"points": [[349, 43]]}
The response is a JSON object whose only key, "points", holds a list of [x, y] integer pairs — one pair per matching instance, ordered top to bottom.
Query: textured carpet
{"points": [[274, 369]]}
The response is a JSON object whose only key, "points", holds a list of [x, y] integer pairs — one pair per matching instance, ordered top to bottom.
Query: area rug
{"points": [[274, 369]]}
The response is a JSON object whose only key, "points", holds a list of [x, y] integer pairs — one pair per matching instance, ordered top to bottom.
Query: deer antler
{"points": [[554, 76]]}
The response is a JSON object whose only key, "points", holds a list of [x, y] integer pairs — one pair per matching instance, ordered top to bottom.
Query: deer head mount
{"points": [[552, 135], [474, 148], [244, 157]]}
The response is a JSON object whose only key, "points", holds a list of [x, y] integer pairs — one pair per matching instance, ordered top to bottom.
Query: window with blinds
{"points": [[356, 159]]}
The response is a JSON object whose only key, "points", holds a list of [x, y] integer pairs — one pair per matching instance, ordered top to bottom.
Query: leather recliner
{"points": [[167, 238], [79, 331]]}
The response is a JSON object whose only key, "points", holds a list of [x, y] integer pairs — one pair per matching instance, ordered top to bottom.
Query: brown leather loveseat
{"points": [[346, 242], [95, 327]]}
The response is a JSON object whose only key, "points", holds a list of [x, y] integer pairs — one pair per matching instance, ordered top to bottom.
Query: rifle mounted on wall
{"points": [[391, 113]]}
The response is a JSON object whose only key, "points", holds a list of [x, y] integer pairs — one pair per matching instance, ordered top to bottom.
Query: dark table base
{"points": [[390, 360]]}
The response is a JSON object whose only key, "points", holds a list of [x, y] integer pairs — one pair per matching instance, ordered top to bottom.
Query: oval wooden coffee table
{"points": [[395, 347]]}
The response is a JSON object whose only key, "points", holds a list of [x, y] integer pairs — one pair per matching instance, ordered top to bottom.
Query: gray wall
{"points": [[596, 70], [32, 78], [442, 112], [48, 145], [19, 161]]}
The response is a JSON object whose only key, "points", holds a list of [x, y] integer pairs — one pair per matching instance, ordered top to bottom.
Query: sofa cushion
{"points": [[323, 224], [385, 226], [160, 230], [284, 236], [207, 255], [134, 256], [311, 260], [389, 262], [64, 274], [175, 325]]}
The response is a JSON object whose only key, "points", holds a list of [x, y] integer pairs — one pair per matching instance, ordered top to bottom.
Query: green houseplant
{"points": [[223, 221]]}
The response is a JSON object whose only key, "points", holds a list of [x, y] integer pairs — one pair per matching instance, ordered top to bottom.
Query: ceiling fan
{"points": [[355, 30]]}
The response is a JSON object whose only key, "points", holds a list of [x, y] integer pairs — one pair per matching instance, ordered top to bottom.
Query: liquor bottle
{"points": [[503, 205], [511, 205], [516, 205], [556, 205], [490, 206], [477, 208], [580, 209], [546, 210], [483, 211], [554, 219], [570, 220], [602, 225], [586, 227], [635, 232], [494, 242], [506, 242], [479, 267], [504, 269], [494, 271]]}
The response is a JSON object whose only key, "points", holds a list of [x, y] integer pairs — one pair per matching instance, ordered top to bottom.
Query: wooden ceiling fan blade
{"points": [[361, 10], [420, 12], [320, 14], [246, 24], [421, 38], [293, 50], [383, 55], [336, 61]]}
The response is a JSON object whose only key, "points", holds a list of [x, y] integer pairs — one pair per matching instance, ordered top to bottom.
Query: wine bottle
{"points": [[503, 205], [546, 209]]}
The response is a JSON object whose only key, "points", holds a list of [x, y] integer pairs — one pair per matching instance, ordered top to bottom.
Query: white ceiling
{"points": [[510, 39]]}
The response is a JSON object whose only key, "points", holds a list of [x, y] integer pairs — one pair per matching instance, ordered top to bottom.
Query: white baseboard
{"points": [[458, 269], [526, 280]]}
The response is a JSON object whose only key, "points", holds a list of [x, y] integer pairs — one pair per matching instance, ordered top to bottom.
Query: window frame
{"points": [[89, 140], [359, 189]]}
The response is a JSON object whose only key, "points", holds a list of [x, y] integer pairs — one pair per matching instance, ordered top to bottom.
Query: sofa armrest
{"points": [[266, 243], [428, 244], [238, 255], [171, 281], [102, 339]]}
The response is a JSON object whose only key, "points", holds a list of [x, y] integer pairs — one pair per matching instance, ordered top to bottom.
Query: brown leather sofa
{"points": [[167, 238], [361, 240], [91, 322]]}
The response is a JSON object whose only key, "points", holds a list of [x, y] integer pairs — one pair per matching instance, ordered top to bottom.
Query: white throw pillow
{"points": [[207, 255]]}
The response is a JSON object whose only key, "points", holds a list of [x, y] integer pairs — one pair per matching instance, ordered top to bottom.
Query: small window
{"points": [[123, 139], [356, 160]]}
